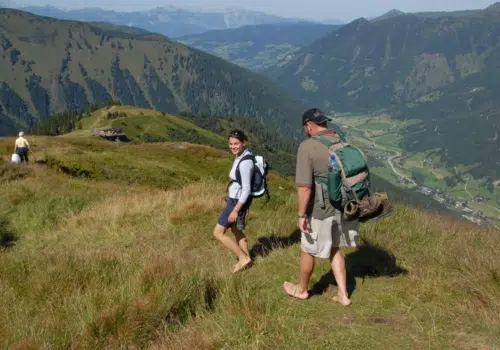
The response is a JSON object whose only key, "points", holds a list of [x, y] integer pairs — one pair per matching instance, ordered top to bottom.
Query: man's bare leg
{"points": [[241, 239], [229, 243], [306, 269], [339, 271]]}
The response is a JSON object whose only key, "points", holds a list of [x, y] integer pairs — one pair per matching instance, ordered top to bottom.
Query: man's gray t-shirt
{"points": [[312, 161]]}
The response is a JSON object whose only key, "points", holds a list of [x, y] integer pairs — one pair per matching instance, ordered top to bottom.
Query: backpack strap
{"points": [[324, 141], [238, 173], [320, 182], [268, 196]]}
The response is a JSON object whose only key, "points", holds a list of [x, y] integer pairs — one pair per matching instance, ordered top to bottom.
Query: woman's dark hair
{"points": [[238, 134]]}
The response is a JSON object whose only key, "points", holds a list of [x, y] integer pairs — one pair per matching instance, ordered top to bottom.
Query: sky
{"points": [[345, 10]]}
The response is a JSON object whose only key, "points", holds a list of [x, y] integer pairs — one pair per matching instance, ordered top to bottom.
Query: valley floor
{"points": [[110, 246]]}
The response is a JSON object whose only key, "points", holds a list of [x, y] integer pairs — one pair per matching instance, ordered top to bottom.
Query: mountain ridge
{"points": [[426, 14], [440, 71]]}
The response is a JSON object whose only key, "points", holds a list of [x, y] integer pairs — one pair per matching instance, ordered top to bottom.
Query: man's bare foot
{"points": [[242, 264], [293, 291], [342, 300]]}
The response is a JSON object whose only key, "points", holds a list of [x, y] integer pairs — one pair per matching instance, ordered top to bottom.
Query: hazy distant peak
{"points": [[494, 7], [390, 14]]}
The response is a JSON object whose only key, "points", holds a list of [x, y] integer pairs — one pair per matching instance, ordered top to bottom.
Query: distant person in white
{"points": [[22, 147], [238, 201]]}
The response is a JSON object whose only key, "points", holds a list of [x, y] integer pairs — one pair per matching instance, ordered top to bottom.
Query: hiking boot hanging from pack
{"points": [[369, 207], [384, 208]]}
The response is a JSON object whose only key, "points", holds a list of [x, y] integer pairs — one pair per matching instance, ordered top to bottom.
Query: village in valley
{"points": [[379, 137], [439, 195]]}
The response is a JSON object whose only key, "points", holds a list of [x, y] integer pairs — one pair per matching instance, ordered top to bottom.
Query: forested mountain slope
{"points": [[50, 65]]}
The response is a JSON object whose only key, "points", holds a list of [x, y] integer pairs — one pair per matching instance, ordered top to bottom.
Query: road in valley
{"points": [[389, 160], [394, 168]]}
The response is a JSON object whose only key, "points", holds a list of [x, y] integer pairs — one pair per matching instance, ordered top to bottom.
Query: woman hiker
{"points": [[22, 147], [238, 201]]}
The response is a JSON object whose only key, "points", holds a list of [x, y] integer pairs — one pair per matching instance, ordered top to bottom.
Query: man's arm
{"points": [[304, 181], [304, 195]]}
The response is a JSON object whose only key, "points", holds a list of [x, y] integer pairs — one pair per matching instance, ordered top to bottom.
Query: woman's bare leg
{"points": [[241, 239], [232, 245]]}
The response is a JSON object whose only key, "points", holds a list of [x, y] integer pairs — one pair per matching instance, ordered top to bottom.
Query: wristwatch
{"points": [[302, 216]]}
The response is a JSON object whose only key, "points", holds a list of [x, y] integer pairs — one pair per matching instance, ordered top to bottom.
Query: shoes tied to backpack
{"points": [[370, 209]]}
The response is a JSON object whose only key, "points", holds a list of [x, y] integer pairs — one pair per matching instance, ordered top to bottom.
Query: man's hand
{"points": [[233, 217], [305, 225]]}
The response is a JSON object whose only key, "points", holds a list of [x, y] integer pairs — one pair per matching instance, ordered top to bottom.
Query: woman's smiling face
{"points": [[236, 146]]}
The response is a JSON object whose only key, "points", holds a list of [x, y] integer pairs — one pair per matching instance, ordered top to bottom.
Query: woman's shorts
{"points": [[241, 221]]}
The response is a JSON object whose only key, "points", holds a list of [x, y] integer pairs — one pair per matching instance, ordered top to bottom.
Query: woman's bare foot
{"points": [[241, 264], [293, 291], [342, 300]]}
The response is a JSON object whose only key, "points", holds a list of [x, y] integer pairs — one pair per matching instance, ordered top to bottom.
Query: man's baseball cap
{"points": [[314, 115]]}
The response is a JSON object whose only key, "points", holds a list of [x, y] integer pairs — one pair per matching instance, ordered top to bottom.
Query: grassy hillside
{"points": [[259, 47], [50, 65], [441, 71], [147, 126], [124, 257]]}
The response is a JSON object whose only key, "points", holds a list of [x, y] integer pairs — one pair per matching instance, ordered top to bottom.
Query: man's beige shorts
{"points": [[332, 232]]}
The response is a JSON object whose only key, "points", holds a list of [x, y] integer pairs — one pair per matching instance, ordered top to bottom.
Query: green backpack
{"points": [[352, 183]]}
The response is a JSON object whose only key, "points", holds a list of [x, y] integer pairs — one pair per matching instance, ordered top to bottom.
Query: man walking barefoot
{"points": [[323, 229]]}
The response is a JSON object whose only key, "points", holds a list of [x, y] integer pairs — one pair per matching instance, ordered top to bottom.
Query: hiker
{"points": [[22, 147], [238, 201], [323, 228]]}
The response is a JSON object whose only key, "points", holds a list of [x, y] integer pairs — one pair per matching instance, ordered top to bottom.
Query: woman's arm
{"points": [[246, 171]]}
